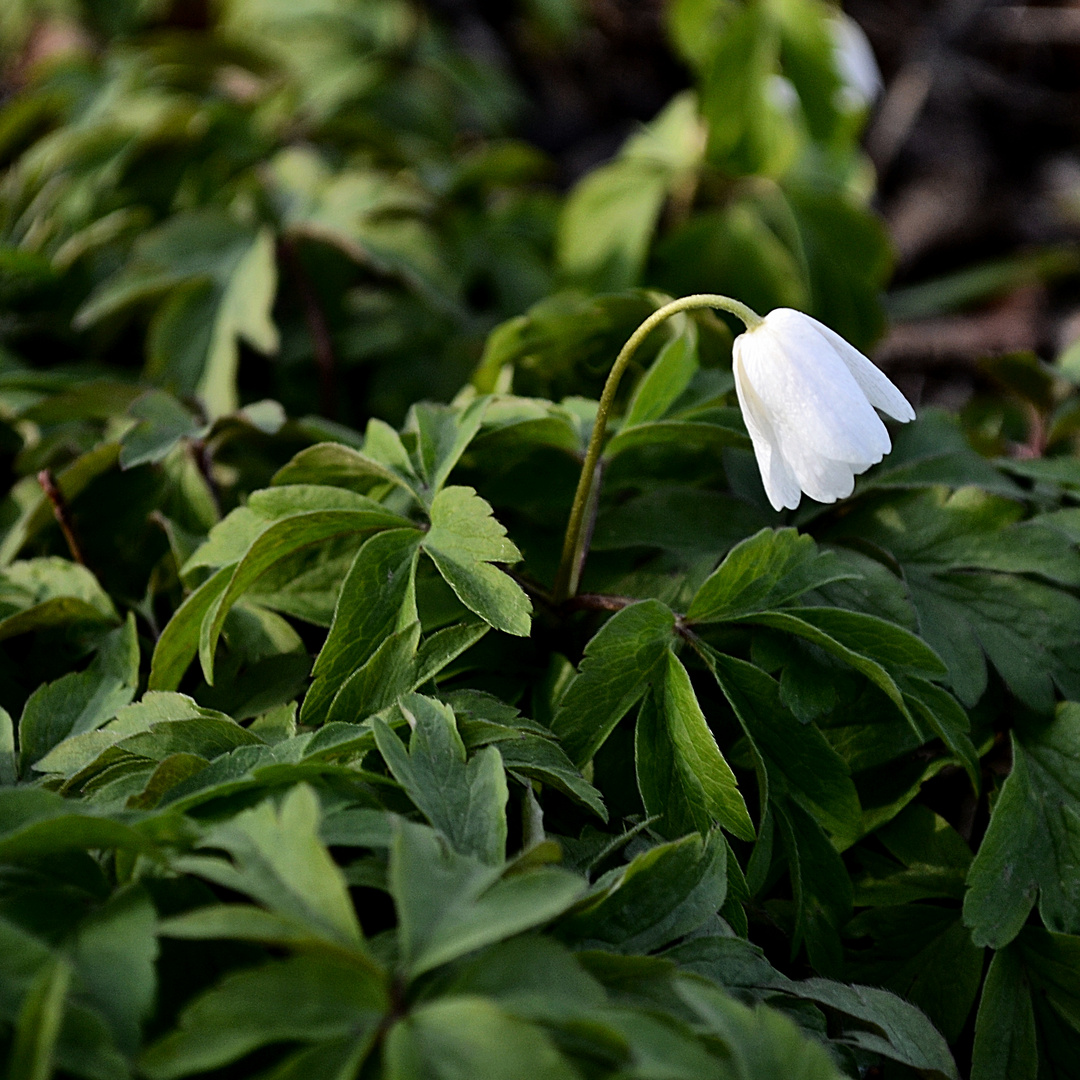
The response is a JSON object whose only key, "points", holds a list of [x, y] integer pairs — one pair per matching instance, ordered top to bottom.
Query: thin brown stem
{"points": [[62, 513]]}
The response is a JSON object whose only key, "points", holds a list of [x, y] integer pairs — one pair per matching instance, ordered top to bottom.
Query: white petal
{"points": [[873, 382], [812, 399], [824, 479], [781, 486]]}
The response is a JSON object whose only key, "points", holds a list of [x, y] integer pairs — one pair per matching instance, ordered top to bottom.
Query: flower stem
{"points": [[576, 540]]}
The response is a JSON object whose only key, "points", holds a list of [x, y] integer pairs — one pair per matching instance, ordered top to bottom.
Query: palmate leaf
{"points": [[962, 557], [1031, 851]]}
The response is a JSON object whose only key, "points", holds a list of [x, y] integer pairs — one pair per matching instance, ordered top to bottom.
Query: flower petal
{"points": [[873, 382], [815, 405], [780, 483]]}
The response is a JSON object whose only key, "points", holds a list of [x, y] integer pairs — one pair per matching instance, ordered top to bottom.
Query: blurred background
{"points": [[332, 203]]}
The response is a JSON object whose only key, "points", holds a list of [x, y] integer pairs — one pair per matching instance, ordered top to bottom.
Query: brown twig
{"points": [[322, 340], [61, 512]]}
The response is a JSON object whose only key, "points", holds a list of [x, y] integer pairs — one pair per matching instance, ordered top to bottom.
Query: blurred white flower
{"points": [[855, 64], [808, 399]]}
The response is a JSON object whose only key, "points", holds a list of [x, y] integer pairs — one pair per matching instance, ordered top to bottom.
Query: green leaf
{"points": [[608, 222], [220, 278], [670, 374], [163, 422], [442, 435], [344, 466], [679, 518], [279, 540], [463, 542], [960, 555], [768, 570], [36, 594], [376, 600], [179, 641], [618, 666], [389, 673], [81, 701], [796, 756], [8, 759], [543, 760], [682, 775], [465, 801], [1031, 850], [278, 859], [819, 883], [665, 892], [450, 904], [114, 953], [307, 999], [38, 1026], [895, 1029], [468, 1037], [1005, 1039], [761, 1043]]}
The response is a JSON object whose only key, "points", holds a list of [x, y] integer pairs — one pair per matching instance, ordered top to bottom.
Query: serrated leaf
{"points": [[463, 542], [274, 543], [954, 552], [768, 570], [376, 600], [619, 663], [795, 755], [682, 776], [464, 800], [278, 859]]}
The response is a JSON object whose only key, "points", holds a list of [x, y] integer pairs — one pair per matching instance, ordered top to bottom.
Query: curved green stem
{"points": [[575, 543]]}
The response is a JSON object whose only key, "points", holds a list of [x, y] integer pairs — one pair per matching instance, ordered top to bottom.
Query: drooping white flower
{"points": [[808, 399]]}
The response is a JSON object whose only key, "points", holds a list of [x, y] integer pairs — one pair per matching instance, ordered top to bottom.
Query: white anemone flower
{"points": [[808, 399]]}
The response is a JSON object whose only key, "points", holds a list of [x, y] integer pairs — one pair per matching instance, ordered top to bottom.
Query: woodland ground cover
{"points": [[311, 761]]}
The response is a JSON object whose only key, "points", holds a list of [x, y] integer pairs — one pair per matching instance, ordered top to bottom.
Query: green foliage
{"points": [[773, 795]]}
